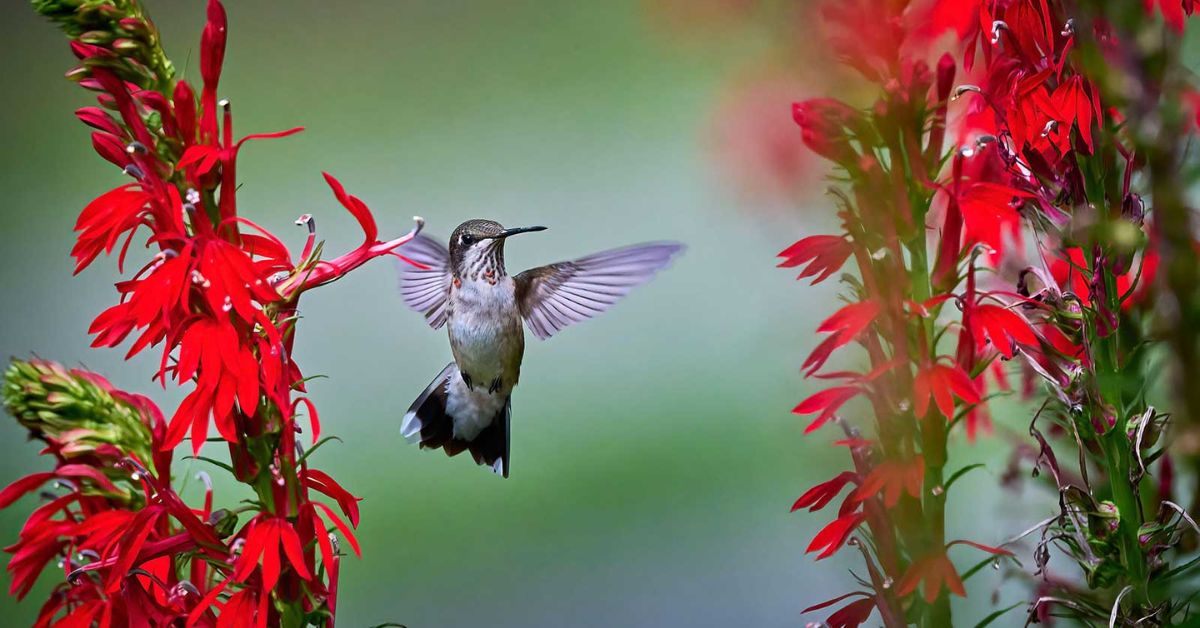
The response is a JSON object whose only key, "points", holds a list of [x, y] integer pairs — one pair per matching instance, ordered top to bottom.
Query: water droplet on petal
{"points": [[228, 305], [135, 476], [937, 490], [996, 564], [887, 582]]}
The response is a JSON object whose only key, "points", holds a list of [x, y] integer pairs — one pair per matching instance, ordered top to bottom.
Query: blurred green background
{"points": [[654, 455]]}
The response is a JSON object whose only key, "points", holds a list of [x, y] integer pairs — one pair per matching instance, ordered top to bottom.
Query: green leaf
{"points": [[305, 380], [968, 407], [315, 447], [210, 461], [961, 472], [987, 561], [1180, 569], [996, 615]]}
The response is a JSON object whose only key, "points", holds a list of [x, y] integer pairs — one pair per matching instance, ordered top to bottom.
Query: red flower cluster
{"points": [[1042, 157], [219, 296]]}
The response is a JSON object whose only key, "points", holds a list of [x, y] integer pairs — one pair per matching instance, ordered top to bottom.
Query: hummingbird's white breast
{"points": [[487, 339]]}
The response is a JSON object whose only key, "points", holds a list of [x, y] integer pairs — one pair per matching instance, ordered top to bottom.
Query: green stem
{"points": [[933, 445], [1118, 459]]}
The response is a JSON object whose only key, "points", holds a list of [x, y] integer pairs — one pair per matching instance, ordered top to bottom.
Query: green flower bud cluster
{"points": [[77, 17], [118, 26], [78, 413]]}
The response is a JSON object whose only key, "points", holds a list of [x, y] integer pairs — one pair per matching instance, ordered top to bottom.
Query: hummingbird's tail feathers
{"points": [[426, 420], [428, 423], [490, 447]]}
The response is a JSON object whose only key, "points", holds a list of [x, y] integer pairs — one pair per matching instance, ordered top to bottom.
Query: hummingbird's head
{"points": [[477, 246]]}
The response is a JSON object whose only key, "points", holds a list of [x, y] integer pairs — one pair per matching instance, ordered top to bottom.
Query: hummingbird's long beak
{"points": [[516, 230]]}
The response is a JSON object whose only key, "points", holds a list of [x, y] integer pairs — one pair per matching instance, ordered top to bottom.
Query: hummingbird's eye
{"points": [[467, 238]]}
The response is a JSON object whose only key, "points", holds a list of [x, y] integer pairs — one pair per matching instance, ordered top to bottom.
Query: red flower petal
{"points": [[355, 207], [824, 254], [827, 403], [16, 490], [820, 495], [834, 535]]}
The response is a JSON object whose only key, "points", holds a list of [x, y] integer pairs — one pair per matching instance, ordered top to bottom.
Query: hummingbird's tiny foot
{"points": [[467, 380], [496, 383]]}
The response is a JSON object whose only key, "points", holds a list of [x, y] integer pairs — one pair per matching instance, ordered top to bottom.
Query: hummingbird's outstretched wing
{"points": [[426, 291], [555, 296]]}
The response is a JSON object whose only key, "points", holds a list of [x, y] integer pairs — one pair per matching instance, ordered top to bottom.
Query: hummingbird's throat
{"points": [[485, 262]]}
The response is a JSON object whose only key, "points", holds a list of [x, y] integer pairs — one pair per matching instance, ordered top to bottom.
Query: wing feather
{"points": [[426, 290], [555, 296]]}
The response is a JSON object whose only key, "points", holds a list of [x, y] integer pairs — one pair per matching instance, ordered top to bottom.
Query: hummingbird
{"points": [[467, 289]]}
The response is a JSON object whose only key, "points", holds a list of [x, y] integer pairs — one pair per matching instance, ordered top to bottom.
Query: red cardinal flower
{"points": [[1174, 11], [959, 16], [1076, 104], [824, 124], [989, 213], [824, 254], [324, 272], [219, 297], [844, 326], [1003, 326], [942, 382], [829, 400], [826, 403], [893, 477], [322, 483], [818, 496], [832, 537], [263, 542], [935, 570], [851, 615]]}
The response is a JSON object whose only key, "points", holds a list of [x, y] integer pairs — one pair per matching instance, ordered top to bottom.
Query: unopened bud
{"points": [[96, 37]]}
